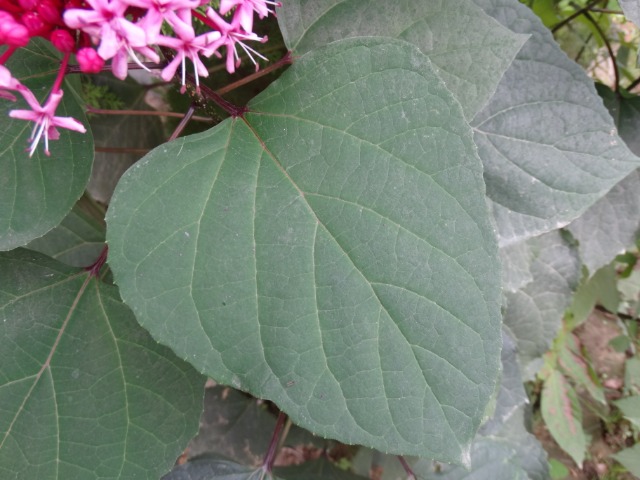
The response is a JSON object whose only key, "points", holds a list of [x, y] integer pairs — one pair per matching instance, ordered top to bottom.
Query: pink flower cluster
{"points": [[119, 31]]}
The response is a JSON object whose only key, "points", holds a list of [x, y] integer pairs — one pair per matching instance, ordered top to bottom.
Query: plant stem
{"points": [[574, 15], [287, 59], [614, 63], [130, 66], [634, 84], [152, 113], [183, 123], [140, 151], [94, 269], [270, 456], [407, 468]]}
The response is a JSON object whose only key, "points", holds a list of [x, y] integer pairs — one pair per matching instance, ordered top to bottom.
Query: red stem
{"points": [[7, 54], [61, 73], [94, 269], [270, 457], [407, 468]]}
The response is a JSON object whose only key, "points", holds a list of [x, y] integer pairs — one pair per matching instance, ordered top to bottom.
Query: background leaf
{"points": [[469, 48], [549, 147], [37, 193], [611, 225], [78, 240], [334, 253], [533, 314], [84, 391], [630, 459], [215, 469]]}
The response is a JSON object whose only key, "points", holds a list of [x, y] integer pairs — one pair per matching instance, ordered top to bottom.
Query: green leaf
{"points": [[470, 49], [548, 145], [37, 193], [77, 241], [331, 252], [601, 288], [533, 314], [577, 368], [632, 376], [84, 391], [630, 407], [562, 415], [630, 459], [216, 469], [558, 470]]}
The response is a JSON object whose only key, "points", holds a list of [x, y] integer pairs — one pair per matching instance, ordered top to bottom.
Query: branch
{"points": [[579, 12]]}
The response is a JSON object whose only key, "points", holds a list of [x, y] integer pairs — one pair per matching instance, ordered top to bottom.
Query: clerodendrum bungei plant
{"points": [[371, 243]]}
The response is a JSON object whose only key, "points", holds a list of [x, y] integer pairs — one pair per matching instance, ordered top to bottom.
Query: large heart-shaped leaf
{"points": [[470, 49], [548, 145], [37, 193], [332, 251], [84, 391]]}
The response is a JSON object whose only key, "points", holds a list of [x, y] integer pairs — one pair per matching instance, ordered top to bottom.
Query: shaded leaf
{"points": [[631, 9], [470, 49], [122, 131], [548, 145], [37, 193], [611, 225], [77, 241], [334, 252], [533, 314], [84, 391], [511, 393], [562, 415], [237, 427], [207, 468], [319, 469]]}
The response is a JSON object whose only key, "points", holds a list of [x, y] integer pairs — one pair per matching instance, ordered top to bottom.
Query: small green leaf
{"points": [[470, 49], [37, 193], [331, 252], [601, 288], [620, 343], [577, 368], [85, 393], [630, 407], [562, 415], [630, 459], [558, 470]]}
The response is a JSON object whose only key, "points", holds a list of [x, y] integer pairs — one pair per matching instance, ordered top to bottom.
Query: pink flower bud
{"points": [[28, 4], [50, 12], [35, 24], [11, 32], [63, 40], [89, 60]]}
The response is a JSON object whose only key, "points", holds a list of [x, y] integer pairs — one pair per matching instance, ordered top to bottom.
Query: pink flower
{"points": [[160, 10], [244, 12], [230, 35], [118, 37], [188, 46], [89, 60], [9, 83], [45, 119]]}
